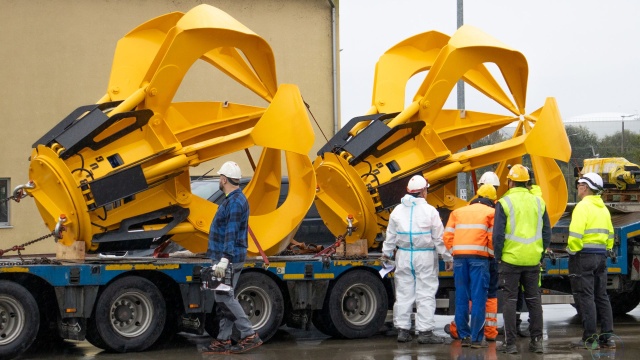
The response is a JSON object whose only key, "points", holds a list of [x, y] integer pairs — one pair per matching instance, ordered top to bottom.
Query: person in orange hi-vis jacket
{"points": [[468, 236], [491, 309]]}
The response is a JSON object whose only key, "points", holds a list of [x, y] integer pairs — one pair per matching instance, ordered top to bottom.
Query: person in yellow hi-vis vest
{"points": [[521, 235], [590, 238]]}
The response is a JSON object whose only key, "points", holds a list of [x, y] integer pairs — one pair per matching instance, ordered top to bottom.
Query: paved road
{"points": [[560, 327]]}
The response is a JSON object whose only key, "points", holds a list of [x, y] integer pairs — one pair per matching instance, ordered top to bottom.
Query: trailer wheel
{"points": [[262, 301], [624, 302], [356, 305], [130, 315], [19, 319], [319, 321]]}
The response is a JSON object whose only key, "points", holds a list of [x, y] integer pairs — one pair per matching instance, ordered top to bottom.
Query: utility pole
{"points": [[460, 82], [462, 177]]}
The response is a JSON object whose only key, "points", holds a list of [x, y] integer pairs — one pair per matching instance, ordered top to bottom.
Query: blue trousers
{"points": [[471, 277]]}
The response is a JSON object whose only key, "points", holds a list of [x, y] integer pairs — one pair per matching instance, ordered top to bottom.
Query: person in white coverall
{"points": [[415, 230]]}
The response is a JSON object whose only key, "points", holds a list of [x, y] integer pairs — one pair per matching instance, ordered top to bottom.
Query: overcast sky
{"points": [[585, 53]]}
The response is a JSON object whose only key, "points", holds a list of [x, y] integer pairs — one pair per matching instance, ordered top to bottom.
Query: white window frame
{"points": [[3, 196]]}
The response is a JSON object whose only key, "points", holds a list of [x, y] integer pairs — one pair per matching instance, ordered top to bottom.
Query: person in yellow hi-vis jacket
{"points": [[521, 235], [590, 238]]}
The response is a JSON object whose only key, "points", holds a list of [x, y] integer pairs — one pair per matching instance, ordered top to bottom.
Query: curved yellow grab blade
{"points": [[468, 48], [135, 53], [398, 64], [285, 125], [549, 137], [553, 185], [275, 229]]}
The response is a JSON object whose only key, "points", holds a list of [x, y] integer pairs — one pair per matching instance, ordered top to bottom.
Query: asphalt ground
{"points": [[561, 326]]}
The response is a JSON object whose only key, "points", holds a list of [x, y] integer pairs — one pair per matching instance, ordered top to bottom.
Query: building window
{"points": [[4, 205]]}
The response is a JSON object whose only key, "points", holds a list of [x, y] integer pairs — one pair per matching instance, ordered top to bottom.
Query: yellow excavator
{"points": [[118, 170]]}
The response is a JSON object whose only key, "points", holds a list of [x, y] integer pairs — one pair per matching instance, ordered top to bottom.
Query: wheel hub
{"points": [[351, 303], [247, 304], [123, 313]]}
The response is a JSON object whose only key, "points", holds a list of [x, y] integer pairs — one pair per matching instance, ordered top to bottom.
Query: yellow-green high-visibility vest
{"points": [[523, 233]]}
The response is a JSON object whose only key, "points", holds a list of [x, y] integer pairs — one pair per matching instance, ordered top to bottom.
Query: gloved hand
{"points": [[386, 257], [448, 266], [220, 268]]}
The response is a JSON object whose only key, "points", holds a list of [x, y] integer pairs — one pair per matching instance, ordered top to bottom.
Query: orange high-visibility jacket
{"points": [[469, 231]]}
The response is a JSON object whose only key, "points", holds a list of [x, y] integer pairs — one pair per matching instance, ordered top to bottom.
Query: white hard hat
{"points": [[231, 170], [489, 178], [593, 181], [417, 183]]}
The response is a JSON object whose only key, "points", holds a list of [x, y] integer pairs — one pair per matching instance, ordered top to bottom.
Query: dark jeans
{"points": [[588, 275], [511, 277]]}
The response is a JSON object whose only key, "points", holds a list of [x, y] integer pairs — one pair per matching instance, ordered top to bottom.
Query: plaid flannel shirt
{"points": [[228, 232]]}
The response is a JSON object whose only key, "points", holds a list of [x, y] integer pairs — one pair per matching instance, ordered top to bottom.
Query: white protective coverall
{"points": [[416, 230]]}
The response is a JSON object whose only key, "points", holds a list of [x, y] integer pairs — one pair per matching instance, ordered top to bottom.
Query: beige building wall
{"points": [[56, 56]]}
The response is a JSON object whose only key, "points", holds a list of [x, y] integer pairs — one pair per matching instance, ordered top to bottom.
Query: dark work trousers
{"points": [[588, 275], [511, 277], [230, 310]]}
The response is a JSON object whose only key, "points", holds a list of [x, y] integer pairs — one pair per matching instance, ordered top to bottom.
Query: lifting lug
{"points": [[19, 192], [57, 232]]}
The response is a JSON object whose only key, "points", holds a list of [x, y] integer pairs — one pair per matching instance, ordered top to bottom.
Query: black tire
{"points": [[262, 301], [624, 302], [355, 306], [130, 315], [19, 319], [319, 321], [212, 323]]}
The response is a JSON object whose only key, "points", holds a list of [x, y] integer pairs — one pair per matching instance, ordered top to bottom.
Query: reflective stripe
{"points": [[512, 222], [472, 226], [448, 229], [596, 231], [410, 233], [575, 235], [611, 236], [594, 246], [472, 247], [416, 249], [491, 315], [491, 323]]}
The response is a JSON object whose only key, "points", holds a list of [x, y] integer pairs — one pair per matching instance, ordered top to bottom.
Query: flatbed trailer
{"points": [[125, 304]]}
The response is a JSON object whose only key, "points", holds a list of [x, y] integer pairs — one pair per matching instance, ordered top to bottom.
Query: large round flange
{"points": [[56, 193], [341, 193]]}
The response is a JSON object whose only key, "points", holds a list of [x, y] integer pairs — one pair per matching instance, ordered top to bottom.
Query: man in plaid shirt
{"points": [[228, 248]]}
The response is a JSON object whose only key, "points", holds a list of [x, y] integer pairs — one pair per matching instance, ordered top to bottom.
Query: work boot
{"points": [[447, 329], [404, 336], [428, 337], [466, 342], [246, 344], [479, 344], [584, 344], [607, 344], [536, 345], [217, 347], [508, 349]]}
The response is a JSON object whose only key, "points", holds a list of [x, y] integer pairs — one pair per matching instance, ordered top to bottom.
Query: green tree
{"points": [[584, 145], [615, 146]]}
